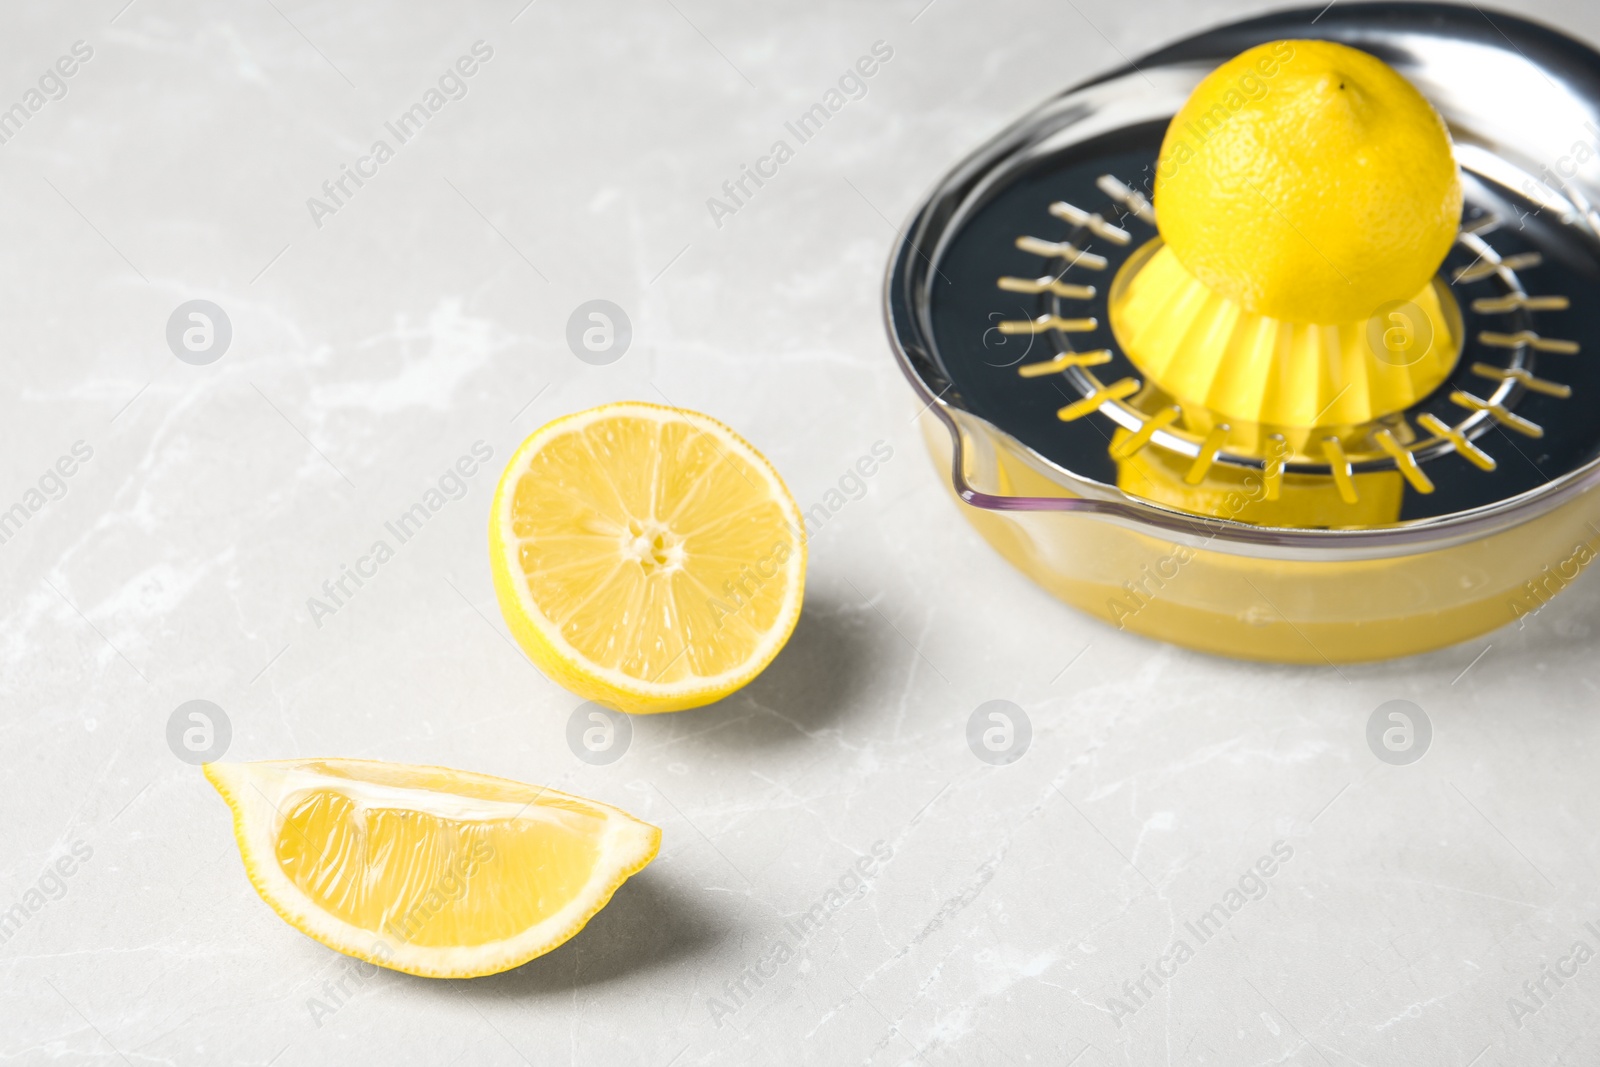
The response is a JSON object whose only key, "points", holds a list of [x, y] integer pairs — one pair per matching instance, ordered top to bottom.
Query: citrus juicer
{"points": [[1291, 491]]}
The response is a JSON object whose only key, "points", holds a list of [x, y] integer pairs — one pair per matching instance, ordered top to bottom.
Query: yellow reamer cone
{"points": [[1209, 352]]}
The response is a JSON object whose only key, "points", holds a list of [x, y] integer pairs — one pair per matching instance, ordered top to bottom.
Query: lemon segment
{"points": [[1308, 181], [645, 557], [434, 872]]}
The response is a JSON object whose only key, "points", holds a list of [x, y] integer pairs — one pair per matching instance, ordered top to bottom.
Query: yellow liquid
{"points": [[1290, 611], [434, 881]]}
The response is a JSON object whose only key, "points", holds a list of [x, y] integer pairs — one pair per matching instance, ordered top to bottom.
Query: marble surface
{"points": [[1010, 912]]}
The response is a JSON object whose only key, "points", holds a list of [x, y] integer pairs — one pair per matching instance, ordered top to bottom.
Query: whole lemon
{"points": [[1308, 181]]}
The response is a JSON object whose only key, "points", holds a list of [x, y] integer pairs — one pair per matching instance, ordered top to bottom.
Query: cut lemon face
{"points": [[646, 558], [430, 871]]}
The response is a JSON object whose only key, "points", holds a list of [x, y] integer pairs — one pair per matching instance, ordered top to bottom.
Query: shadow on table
{"points": [[825, 665], [649, 925]]}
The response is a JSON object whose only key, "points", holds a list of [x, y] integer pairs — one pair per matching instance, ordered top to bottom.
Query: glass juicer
{"points": [[1425, 490]]}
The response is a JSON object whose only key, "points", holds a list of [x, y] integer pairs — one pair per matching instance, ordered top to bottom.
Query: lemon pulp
{"points": [[522, 871], [434, 872]]}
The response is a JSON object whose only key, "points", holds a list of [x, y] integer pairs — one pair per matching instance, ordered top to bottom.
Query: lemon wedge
{"points": [[645, 557], [434, 872]]}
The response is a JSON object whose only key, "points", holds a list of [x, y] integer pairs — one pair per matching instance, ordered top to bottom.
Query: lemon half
{"points": [[1309, 182], [646, 557], [430, 871]]}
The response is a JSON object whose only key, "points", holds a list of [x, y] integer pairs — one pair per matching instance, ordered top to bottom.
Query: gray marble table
{"points": [[380, 328]]}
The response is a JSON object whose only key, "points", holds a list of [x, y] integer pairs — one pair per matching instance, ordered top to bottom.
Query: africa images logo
{"points": [[52, 86], [851, 86], [1247, 87], [403, 128], [452, 485], [1252, 885], [850, 886]]}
